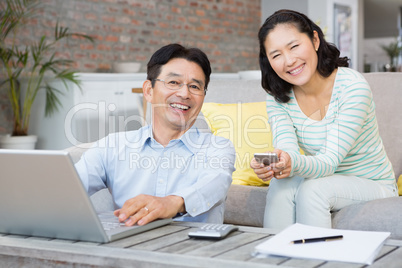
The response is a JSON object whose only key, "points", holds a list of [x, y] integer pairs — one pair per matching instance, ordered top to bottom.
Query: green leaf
{"points": [[52, 101]]}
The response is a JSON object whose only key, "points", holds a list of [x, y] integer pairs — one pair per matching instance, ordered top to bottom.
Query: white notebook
{"points": [[354, 247]]}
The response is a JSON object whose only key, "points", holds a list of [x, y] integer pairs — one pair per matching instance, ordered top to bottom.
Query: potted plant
{"points": [[392, 50], [37, 63]]}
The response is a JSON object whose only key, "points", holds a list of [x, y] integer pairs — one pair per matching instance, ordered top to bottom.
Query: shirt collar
{"points": [[146, 134], [190, 138]]}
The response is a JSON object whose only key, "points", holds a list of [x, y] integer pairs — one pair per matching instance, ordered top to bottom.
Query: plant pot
{"points": [[18, 142]]}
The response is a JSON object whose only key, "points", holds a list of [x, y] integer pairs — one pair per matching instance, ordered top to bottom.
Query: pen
{"points": [[317, 239]]}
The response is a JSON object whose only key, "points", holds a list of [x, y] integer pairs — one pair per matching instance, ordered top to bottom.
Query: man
{"points": [[169, 168]]}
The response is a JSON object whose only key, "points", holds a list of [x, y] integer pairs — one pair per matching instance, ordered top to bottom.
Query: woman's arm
{"points": [[353, 108]]}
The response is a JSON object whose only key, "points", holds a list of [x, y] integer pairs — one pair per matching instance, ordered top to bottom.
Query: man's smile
{"points": [[179, 106]]}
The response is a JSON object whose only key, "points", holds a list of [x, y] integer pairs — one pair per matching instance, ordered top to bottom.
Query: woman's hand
{"points": [[279, 170]]}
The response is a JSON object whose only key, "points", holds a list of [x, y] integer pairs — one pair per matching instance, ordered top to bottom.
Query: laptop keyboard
{"points": [[109, 221], [107, 226]]}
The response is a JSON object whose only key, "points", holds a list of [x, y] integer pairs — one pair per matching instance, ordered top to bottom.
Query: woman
{"points": [[317, 104]]}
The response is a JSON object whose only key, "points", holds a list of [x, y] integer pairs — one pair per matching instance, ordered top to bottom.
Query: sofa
{"points": [[245, 204]]}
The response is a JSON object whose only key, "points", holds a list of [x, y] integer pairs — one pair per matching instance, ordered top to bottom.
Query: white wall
{"points": [[268, 7], [317, 12]]}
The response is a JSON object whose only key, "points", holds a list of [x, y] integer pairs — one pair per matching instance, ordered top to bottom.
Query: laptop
{"points": [[42, 195]]}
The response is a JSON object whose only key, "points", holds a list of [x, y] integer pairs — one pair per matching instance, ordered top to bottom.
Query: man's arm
{"points": [[91, 171], [214, 176]]}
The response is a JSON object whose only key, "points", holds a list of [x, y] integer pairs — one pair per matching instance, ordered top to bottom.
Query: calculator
{"points": [[213, 231]]}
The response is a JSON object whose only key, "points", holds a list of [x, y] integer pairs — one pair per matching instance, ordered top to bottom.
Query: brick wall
{"points": [[131, 30]]}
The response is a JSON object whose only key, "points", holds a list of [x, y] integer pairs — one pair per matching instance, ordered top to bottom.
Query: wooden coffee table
{"points": [[167, 246]]}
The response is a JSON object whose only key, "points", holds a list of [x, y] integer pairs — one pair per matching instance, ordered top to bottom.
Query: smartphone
{"points": [[266, 158]]}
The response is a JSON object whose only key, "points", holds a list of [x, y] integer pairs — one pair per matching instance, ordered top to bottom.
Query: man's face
{"points": [[177, 109]]}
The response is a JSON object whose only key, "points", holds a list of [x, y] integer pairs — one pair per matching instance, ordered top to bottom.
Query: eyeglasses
{"points": [[176, 85]]}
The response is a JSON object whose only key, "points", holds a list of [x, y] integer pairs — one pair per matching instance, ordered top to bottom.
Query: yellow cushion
{"points": [[246, 125], [400, 185]]}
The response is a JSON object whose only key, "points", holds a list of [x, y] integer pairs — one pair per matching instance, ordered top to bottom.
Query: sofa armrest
{"points": [[381, 215]]}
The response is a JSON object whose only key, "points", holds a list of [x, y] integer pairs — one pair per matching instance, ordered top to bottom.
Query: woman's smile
{"points": [[297, 70]]}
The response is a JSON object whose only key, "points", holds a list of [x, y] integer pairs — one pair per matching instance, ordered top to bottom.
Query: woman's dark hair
{"points": [[172, 51], [328, 54]]}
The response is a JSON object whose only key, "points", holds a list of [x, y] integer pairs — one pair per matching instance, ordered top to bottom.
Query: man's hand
{"points": [[279, 170], [143, 209]]}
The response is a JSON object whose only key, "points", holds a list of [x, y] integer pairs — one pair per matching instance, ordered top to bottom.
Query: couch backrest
{"points": [[234, 91], [387, 92]]}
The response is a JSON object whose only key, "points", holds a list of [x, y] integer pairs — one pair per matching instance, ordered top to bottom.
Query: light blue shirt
{"points": [[198, 167]]}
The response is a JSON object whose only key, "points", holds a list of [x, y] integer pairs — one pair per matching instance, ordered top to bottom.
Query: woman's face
{"points": [[292, 54]]}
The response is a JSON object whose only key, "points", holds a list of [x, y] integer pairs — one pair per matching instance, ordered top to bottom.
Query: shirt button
{"points": [[165, 154], [160, 181], [208, 204], [194, 209]]}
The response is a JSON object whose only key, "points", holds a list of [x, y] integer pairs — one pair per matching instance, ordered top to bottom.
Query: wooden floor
{"points": [[167, 246]]}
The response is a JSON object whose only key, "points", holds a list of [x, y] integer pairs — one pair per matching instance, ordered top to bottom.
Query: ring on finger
{"points": [[280, 172], [146, 209]]}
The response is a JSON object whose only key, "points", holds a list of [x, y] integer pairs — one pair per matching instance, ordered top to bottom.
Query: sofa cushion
{"points": [[246, 125], [77, 150], [102, 201], [245, 205], [382, 215]]}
